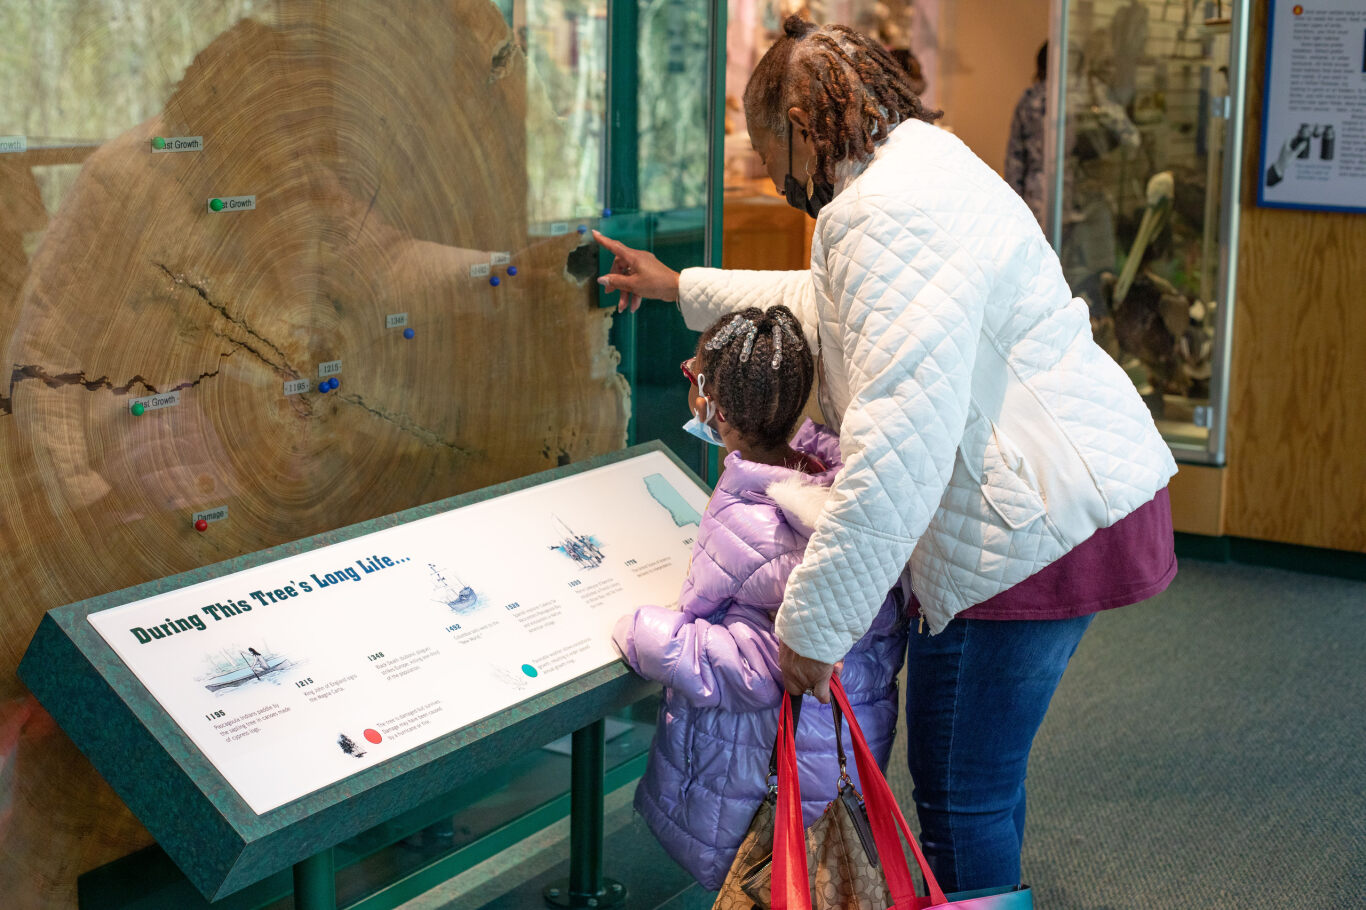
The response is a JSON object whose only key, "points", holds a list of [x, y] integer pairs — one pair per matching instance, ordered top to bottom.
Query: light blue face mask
{"points": [[703, 430]]}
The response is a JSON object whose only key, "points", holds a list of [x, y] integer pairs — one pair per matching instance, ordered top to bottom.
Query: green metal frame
{"points": [[716, 165], [680, 238], [196, 816]]}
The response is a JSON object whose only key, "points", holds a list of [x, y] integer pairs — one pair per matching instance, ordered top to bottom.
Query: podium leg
{"points": [[315, 883], [586, 886]]}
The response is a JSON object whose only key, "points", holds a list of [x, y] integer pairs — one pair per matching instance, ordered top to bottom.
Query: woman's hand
{"points": [[637, 275], [805, 676]]}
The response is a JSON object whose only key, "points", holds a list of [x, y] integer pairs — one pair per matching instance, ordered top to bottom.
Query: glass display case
{"points": [[1145, 120], [273, 267]]}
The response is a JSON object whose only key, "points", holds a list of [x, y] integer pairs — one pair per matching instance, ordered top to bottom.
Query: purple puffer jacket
{"points": [[717, 657]]}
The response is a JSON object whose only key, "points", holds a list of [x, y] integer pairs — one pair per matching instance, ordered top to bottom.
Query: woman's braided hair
{"points": [[851, 88], [759, 372]]}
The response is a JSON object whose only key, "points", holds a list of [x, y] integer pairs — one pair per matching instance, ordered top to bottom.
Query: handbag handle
{"points": [[796, 703], [839, 744], [885, 818], [791, 890]]}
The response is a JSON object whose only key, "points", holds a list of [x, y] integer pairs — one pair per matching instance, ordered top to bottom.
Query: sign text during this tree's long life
{"points": [[225, 609]]}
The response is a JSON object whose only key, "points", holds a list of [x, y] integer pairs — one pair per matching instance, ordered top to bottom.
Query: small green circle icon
{"points": [[158, 143], [216, 204], [138, 409], [529, 670]]}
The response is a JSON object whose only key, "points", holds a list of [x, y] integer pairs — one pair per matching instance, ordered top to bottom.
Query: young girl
{"points": [[717, 654]]}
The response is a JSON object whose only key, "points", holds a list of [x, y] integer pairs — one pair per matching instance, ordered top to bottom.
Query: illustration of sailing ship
{"points": [[581, 548], [460, 597], [245, 668]]}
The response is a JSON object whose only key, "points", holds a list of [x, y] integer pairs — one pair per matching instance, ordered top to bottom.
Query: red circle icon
{"points": [[1298, 10], [373, 736]]}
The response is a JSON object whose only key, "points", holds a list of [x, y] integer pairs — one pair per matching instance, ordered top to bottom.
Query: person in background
{"points": [[1024, 150], [717, 654]]}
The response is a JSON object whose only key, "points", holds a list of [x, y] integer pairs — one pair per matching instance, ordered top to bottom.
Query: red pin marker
{"points": [[201, 525]]}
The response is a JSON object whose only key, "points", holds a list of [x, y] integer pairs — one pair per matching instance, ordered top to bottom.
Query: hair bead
{"points": [[749, 342]]}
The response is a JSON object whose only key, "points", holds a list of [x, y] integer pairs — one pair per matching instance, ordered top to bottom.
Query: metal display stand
{"points": [[205, 826], [315, 882], [586, 886]]}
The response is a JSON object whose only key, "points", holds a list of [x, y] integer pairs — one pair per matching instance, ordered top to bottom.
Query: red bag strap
{"points": [[885, 818], [791, 888]]}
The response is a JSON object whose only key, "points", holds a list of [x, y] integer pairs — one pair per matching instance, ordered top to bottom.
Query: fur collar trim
{"points": [[800, 500]]}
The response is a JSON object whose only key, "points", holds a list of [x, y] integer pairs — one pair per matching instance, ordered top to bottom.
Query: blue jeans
{"points": [[975, 696]]}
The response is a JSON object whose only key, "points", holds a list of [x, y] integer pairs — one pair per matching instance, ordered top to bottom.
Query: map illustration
{"points": [[664, 493]]}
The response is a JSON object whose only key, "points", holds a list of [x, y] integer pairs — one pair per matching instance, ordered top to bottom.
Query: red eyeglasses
{"points": [[688, 374]]}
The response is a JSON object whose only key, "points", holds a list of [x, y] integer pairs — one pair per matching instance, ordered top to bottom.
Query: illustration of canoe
{"points": [[241, 674]]}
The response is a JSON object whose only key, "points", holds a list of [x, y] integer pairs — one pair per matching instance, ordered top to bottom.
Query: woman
{"points": [[995, 459]]}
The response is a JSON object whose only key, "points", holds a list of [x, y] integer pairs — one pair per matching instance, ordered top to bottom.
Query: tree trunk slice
{"points": [[387, 155]]}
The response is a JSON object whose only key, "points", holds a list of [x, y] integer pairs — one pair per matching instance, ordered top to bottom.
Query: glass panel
{"points": [[565, 42], [673, 104], [672, 119], [368, 166], [1142, 190]]}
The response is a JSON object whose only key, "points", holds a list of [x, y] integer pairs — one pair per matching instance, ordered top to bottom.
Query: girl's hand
{"points": [[637, 275], [805, 676]]}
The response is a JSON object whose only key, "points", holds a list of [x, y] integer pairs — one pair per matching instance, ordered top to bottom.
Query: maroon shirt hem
{"points": [[1130, 561]]}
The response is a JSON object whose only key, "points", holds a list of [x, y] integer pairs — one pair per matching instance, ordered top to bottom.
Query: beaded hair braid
{"points": [[852, 89], [759, 372]]}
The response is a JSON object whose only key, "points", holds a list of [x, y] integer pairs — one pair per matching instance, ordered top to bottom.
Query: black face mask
{"points": [[795, 193]]}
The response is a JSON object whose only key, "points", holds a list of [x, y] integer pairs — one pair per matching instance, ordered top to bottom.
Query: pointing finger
{"points": [[616, 248]]}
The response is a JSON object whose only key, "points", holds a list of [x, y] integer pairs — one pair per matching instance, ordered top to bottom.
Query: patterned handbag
{"points": [[756, 850], [844, 873], [792, 885]]}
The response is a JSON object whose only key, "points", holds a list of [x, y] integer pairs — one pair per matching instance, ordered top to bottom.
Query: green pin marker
{"points": [[158, 143], [216, 204], [138, 409]]}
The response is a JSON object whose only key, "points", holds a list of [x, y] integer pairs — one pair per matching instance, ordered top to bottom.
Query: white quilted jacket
{"points": [[984, 434]]}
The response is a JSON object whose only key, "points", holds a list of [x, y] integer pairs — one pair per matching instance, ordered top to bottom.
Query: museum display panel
{"points": [[1145, 115], [269, 269], [256, 712]]}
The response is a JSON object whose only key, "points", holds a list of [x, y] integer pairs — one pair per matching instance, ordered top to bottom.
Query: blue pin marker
{"points": [[607, 213], [583, 229], [512, 270], [495, 281], [409, 333], [333, 382], [324, 386]]}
